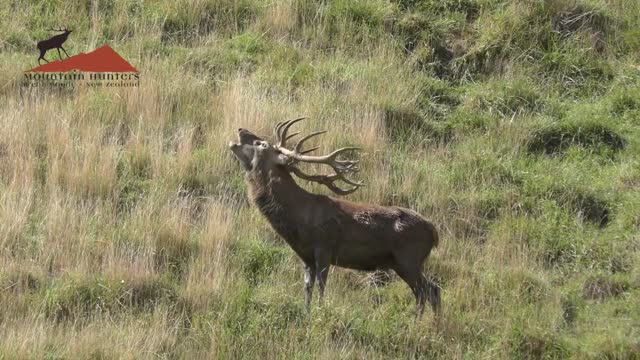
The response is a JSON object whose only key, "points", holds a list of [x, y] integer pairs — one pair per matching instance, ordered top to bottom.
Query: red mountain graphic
{"points": [[102, 59]]}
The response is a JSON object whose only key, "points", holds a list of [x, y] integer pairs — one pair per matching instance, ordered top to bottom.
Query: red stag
{"points": [[327, 231]]}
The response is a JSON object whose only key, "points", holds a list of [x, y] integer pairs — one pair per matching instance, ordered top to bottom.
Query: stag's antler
{"points": [[341, 167]]}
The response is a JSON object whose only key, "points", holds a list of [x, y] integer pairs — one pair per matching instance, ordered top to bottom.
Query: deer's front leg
{"points": [[323, 262], [309, 281]]}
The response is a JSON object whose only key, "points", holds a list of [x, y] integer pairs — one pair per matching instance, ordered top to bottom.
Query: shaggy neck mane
{"points": [[275, 193]]}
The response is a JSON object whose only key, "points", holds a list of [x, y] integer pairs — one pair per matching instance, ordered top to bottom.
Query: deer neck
{"points": [[270, 187], [277, 196]]}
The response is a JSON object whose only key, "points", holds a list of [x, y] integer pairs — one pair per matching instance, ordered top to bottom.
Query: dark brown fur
{"points": [[326, 231]]}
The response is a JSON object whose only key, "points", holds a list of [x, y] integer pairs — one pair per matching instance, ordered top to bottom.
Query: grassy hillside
{"points": [[125, 231]]}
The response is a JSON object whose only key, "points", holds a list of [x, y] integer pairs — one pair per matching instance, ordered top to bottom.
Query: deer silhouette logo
{"points": [[54, 42]]}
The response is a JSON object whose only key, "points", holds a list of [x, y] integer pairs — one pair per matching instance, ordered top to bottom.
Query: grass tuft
{"points": [[558, 138]]}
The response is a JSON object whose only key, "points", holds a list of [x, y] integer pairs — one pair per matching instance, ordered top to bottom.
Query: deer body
{"points": [[55, 42], [324, 230], [356, 236]]}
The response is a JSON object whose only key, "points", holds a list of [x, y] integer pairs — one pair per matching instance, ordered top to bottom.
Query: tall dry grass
{"points": [[125, 231]]}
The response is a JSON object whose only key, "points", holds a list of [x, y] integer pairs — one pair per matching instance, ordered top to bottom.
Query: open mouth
{"points": [[246, 137], [233, 144]]}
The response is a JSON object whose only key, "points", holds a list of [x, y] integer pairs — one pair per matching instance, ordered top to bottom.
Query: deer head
{"points": [[254, 153]]}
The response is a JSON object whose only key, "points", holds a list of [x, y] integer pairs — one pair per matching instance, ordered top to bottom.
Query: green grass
{"points": [[125, 230]]}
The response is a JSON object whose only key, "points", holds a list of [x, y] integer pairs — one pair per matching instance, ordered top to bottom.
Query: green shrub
{"points": [[370, 13], [186, 23], [507, 98], [625, 100], [592, 135], [134, 174], [174, 249], [257, 259], [603, 287], [78, 297], [529, 344]]}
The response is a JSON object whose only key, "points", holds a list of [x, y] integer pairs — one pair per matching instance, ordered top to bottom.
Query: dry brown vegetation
{"points": [[124, 227]]}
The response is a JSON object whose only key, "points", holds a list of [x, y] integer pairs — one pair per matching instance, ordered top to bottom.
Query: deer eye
{"points": [[263, 144]]}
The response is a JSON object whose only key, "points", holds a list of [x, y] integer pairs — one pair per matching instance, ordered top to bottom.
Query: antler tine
{"points": [[285, 128], [276, 131], [292, 135], [301, 142], [310, 150], [334, 154], [320, 159], [340, 167], [340, 176], [328, 181]]}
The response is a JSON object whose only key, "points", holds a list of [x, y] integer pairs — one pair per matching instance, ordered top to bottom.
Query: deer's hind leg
{"points": [[42, 52], [412, 276], [432, 292]]}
